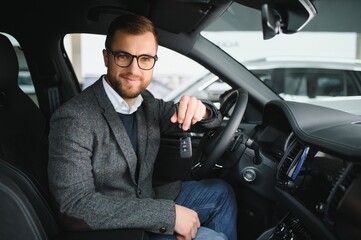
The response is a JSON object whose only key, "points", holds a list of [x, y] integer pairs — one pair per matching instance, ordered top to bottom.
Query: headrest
{"points": [[9, 66]]}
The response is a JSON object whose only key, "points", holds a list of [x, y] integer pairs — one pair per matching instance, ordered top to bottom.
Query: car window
{"points": [[315, 66], [174, 74], [24, 78], [312, 82]]}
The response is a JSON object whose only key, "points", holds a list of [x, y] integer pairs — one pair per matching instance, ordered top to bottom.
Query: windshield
{"points": [[319, 65]]}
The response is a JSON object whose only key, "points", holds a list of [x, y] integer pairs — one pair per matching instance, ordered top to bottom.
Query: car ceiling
{"points": [[94, 15]]}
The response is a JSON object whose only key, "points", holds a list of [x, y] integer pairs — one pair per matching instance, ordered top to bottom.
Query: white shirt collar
{"points": [[119, 104]]}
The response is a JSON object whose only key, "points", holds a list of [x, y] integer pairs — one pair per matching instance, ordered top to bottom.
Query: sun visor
{"points": [[176, 22]]}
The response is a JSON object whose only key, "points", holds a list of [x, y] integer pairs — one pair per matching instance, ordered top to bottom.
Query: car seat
{"points": [[25, 212]]}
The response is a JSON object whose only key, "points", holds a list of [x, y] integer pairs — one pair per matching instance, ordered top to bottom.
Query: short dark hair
{"points": [[132, 24]]}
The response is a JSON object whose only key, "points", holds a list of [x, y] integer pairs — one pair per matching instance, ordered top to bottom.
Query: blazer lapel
{"points": [[117, 128]]}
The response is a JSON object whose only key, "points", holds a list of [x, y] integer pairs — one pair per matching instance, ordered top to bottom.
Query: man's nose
{"points": [[134, 65]]}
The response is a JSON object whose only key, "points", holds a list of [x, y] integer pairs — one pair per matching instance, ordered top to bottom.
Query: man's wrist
{"points": [[211, 111]]}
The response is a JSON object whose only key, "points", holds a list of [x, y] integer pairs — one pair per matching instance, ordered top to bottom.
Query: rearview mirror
{"points": [[286, 16], [271, 22]]}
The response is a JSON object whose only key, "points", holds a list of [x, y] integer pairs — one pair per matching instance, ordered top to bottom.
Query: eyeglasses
{"points": [[124, 59]]}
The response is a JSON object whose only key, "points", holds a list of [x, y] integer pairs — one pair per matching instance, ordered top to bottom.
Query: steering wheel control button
{"points": [[249, 174], [162, 229]]}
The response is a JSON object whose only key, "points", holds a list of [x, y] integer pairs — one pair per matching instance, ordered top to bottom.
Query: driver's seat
{"points": [[25, 211]]}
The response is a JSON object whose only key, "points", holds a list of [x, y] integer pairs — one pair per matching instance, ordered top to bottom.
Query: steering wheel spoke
{"points": [[215, 143]]}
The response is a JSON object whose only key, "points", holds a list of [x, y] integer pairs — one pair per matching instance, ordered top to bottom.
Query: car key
{"points": [[185, 143], [185, 146]]}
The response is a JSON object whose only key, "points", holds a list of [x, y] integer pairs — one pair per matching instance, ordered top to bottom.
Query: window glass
{"points": [[315, 66], [174, 74], [24, 78], [295, 84], [330, 86]]}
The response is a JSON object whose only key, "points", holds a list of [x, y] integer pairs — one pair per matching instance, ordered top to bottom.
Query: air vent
{"points": [[295, 154], [347, 176]]}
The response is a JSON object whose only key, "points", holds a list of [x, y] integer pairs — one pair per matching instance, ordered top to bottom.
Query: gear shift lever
{"points": [[253, 145]]}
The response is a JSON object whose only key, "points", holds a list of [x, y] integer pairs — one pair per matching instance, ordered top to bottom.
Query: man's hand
{"points": [[190, 111], [186, 223]]}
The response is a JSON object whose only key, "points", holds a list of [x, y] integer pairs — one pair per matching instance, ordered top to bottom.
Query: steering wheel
{"points": [[215, 143]]}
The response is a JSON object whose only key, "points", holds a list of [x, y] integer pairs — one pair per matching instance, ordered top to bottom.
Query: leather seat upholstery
{"points": [[23, 128]]}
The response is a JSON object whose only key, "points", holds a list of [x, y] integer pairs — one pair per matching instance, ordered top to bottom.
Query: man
{"points": [[104, 142]]}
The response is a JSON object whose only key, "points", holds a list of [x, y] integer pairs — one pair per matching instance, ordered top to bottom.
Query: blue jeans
{"points": [[215, 203]]}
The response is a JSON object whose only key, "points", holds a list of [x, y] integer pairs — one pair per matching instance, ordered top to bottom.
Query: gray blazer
{"points": [[92, 163]]}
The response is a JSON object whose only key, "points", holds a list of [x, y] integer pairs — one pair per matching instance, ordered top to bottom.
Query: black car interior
{"points": [[295, 167]]}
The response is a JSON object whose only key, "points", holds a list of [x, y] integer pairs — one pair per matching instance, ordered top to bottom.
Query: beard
{"points": [[128, 92]]}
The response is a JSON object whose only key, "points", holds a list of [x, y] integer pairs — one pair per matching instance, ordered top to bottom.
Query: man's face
{"points": [[130, 81]]}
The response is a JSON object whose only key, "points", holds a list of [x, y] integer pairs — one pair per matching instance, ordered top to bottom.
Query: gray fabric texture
{"points": [[92, 162]]}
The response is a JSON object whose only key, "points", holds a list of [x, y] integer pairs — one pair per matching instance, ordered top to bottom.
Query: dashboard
{"points": [[312, 155]]}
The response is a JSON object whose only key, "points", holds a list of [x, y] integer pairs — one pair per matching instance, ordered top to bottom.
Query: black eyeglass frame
{"points": [[116, 53]]}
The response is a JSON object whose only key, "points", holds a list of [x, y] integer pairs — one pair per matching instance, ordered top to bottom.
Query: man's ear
{"points": [[105, 57]]}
